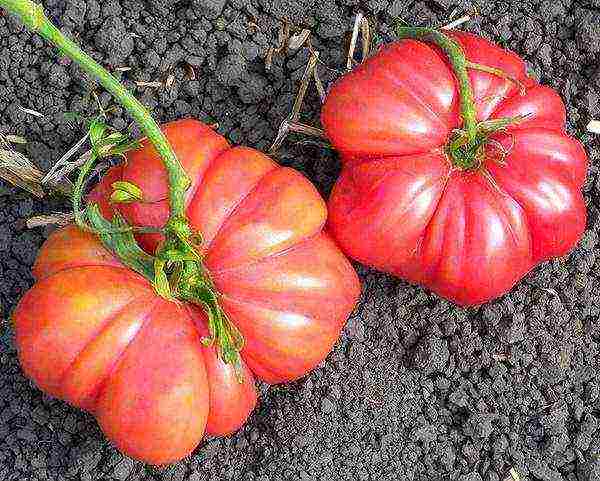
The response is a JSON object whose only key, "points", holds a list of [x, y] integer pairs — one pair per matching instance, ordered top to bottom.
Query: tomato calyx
{"points": [[470, 155], [179, 273], [195, 286]]}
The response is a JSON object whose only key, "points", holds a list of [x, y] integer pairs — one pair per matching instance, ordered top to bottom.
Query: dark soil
{"points": [[416, 389]]}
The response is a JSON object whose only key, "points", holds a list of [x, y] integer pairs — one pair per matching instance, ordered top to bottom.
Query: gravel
{"points": [[416, 389]]}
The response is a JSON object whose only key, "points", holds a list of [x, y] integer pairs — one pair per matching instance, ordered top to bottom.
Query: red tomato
{"points": [[401, 205], [95, 333]]}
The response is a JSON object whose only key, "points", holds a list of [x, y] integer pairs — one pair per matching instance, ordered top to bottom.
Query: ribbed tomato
{"points": [[403, 206], [94, 333]]}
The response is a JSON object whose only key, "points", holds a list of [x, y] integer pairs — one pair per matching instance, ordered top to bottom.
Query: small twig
{"points": [[457, 22], [365, 29], [283, 38], [354, 38], [308, 73], [154, 84], [319, 84], [35, 113], [288, 126], [284, 128], [306, 129], [281, 136], [56, 172], [60, 219], [550, 291]]}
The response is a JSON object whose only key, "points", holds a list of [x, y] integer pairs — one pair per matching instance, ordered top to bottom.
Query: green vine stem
{"points": [[33, 16], [459, 64], [467, 147], [176, 270]]}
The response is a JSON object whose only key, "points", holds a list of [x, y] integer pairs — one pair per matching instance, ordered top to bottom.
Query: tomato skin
{"points": [[402, 207], [94, 333]]}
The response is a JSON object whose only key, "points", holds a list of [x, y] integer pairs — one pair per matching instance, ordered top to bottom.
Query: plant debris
{"points": [[360, 24], [311, 73], [154, 84], [35, 113], [291, 123], [594, 126], [63, 166], [21, 172], [59, 219]]}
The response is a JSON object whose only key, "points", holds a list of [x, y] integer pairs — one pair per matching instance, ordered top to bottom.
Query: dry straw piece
{"points": [[594, 127], [21, 172]]}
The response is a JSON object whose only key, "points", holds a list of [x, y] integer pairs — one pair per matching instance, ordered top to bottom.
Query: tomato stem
{"points": [[33, 16], [459, 64], [467, 146], [177, 253]]}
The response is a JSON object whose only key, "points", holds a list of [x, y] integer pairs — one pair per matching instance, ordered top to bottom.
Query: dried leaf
{"points": [[297, 40], [20, 172], [60, 219]]}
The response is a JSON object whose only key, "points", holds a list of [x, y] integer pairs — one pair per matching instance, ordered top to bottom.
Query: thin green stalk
{"points": [[33, 16], [459, 64]]}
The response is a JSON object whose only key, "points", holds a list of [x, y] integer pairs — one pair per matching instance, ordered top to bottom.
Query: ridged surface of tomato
{"points": [[401, 206], [94, 333]]}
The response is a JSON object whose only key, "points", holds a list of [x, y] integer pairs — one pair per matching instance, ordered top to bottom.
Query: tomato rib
{"points": [[234, 209], [95, 392]]}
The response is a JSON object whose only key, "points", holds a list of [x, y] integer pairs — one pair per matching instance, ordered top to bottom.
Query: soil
{"points": [[416, 389]]}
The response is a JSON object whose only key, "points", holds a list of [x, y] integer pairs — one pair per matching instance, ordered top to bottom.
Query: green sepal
{"points": [[97, 130], [125, 193], [117, 236], [160, 282]]}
